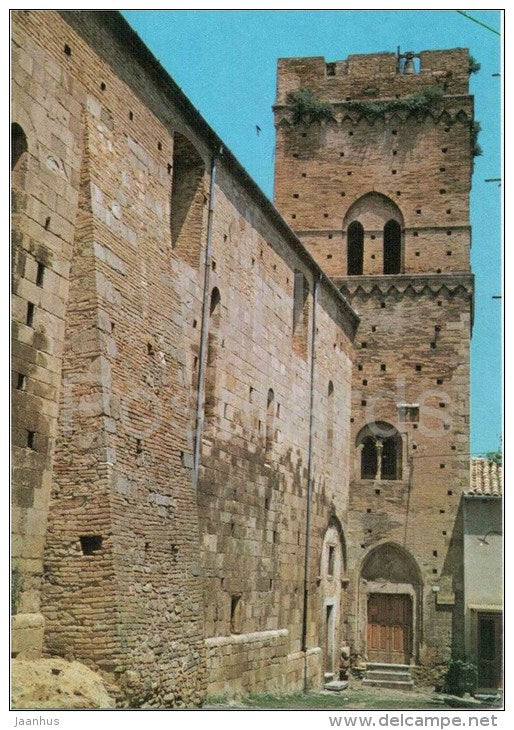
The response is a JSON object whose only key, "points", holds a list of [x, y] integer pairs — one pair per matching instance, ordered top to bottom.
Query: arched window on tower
{"points": [[392, 247], [355, 253], [380, 447]]}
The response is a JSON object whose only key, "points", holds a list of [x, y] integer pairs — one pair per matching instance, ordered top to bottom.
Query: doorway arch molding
{"points": [[389, 568]]}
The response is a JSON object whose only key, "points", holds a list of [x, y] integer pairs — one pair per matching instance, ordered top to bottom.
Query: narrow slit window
{"points": [[40, 275], [30, 314], [331, 559], [235, 614]]}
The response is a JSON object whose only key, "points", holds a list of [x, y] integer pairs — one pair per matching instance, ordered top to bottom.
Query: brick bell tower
{"points": [[373, 172]]}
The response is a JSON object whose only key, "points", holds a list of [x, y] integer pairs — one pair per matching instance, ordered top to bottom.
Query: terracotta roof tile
{"points": [[486, 478]]}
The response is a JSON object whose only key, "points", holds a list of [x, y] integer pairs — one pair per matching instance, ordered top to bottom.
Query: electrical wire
{"points": [[479, 22]]}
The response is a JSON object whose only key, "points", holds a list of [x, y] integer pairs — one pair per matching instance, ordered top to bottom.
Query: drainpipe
{"points": [[204, 326], [309, 490]]}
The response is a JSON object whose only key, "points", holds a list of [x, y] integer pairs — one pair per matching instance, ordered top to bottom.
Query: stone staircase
{"points": [[392, 676], [334, 685]]}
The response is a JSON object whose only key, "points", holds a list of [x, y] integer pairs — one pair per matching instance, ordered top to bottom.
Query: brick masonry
{"points": [[412, 346], [177, 579], [168, 591]]}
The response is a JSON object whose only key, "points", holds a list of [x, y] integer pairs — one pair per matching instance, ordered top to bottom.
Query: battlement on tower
{"points": [[375, 75]]}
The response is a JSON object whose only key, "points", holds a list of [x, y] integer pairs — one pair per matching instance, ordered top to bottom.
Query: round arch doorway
{"points": [[390, 600]]}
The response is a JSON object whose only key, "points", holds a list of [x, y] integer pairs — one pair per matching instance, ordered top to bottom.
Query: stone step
{"points": [[387, 667], [328, 676], [396, 676], [389, 684], [336, 686]]}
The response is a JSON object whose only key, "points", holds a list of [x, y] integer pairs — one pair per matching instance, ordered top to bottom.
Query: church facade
{"points": [[240, 430]]}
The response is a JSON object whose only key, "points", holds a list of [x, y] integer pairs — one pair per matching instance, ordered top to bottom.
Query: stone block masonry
{"points": [[236, 449], [124, 566]]}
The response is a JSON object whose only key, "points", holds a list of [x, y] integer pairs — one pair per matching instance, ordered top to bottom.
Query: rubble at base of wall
{"points": [[58, 684]]}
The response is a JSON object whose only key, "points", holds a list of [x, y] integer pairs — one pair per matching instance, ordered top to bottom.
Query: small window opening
{"points": [[67, 49], [102, 86], [131, 116], [18, 144], [47, 223], [392, 247], [355, 254], [40, 275], [30, 314], [150, 349], [383, 367], [419, 368], [21, 382], [408, 413], [30, 439], [139, 446], [90, 544], [331, 559], [235, 614]]}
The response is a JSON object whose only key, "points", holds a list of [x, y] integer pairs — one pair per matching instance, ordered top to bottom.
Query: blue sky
{"points": [[225, 61]]}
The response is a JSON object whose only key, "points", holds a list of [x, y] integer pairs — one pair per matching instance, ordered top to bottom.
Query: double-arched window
{"points": [[373, 216], [380, 447]]}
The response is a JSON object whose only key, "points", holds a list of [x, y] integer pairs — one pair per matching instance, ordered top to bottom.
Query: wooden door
{"points": [[389, 628], [329, 638], [490, 651]]}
